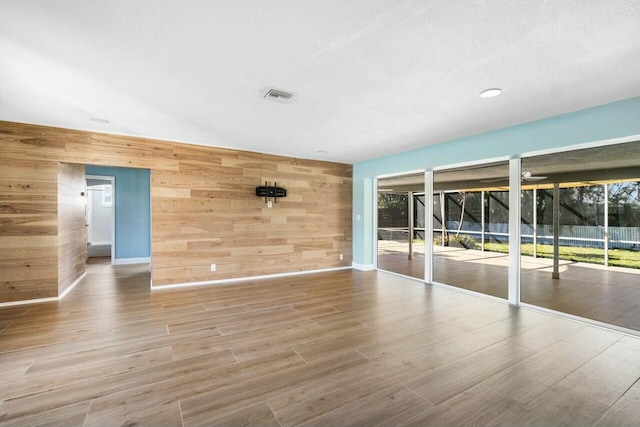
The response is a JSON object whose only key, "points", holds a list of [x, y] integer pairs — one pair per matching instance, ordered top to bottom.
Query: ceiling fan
{"points": [[526, 176]]}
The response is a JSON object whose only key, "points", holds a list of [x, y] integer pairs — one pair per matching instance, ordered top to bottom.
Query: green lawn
{"points": [[617, 257]]}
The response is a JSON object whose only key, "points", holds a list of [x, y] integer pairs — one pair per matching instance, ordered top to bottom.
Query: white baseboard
{"points": [[127, 261], [363, 267], [244, 279], [73, 285], [41, 300], [28, 301]]}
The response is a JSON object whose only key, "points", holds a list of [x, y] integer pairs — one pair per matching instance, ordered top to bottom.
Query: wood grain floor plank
{"points": [[217, 302], [10, 314], [487, 316], [261, 319], [237, 321], [546, 334], [290, 335], [419, 335], [429, 336], [594, 338], [477, 339], [627, 339], [196, 347], [346, 347], [57, 356], [14, 370], [531, 377], [606, 377], [39, 379], [448, 380], [187, 385], [255, 390], [74, 392], [316, 399], [309, 400], [476, 406], [557, 406], [381, 408], [625, 412], [144, 414], [70, 415], [259, 415], [76, 420]]}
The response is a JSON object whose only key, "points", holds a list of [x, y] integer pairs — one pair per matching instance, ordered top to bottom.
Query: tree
{"points": [[393, 210]]}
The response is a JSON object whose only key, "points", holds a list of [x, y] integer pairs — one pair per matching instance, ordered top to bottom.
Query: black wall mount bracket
{"points": [[271, 192]]}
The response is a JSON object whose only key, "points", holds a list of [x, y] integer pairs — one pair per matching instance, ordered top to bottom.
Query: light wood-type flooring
{"points": [[606, 294], [338, 348]]}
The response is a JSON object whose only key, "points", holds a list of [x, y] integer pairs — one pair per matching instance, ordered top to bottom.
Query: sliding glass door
{"points": [[471, 228], [400, 231], [580, 233], [578, 246]]}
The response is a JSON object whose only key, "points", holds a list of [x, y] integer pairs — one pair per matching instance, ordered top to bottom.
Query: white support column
{"points": [[515, 176], [482, 214], [443, 217], [370, 220], [535, 222], [411, 223], [606, 225], [428, 226], [556, 231]]}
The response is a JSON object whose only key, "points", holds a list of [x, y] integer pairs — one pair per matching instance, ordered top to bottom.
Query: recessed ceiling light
{"points": [[490, 93], [98, 120]]}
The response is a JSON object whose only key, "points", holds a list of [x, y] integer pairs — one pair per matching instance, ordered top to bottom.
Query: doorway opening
{"points": [[100, 219]]}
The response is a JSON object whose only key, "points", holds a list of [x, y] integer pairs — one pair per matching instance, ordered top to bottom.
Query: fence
{"points": [[570, 235]]}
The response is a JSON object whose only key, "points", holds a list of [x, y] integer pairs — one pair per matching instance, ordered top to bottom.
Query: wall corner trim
{"points": [[363, 267], [245, 279], [73, 285], [41, 300]]}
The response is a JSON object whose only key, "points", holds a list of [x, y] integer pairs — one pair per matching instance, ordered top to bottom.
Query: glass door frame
{"points": [[515, 208], [375, 218]]}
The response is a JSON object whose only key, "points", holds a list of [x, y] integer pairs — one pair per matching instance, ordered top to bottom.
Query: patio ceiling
{"points": [[607, 163]]}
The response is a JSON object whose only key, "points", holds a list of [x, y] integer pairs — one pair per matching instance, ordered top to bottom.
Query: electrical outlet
{"points": [[269, 204], [357, 217], [341, 257], [213, 267]]}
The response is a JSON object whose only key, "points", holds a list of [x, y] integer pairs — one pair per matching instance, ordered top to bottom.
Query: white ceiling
{"points": [[371, 77]]}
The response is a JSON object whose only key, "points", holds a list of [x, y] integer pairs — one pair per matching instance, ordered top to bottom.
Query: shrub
{"points": [[463, 241]]}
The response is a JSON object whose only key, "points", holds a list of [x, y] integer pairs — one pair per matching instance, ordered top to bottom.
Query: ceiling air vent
{"points": [[277, 95]]}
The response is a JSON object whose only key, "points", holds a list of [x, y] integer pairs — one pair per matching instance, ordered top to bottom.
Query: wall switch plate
{"points": [[269, 204], [357, 217], [341, 257], [213, 267]]}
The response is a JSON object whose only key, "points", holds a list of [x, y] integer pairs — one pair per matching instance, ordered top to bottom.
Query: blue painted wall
{"points": [[616, 120], [133, 210]]}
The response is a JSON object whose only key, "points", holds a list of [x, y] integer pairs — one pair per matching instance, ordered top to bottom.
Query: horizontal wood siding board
{"points": [[204, 208]]}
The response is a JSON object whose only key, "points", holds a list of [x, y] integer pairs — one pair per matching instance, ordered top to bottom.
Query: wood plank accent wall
{"points": [[204, 209], [28, 226], [72, 247]]}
